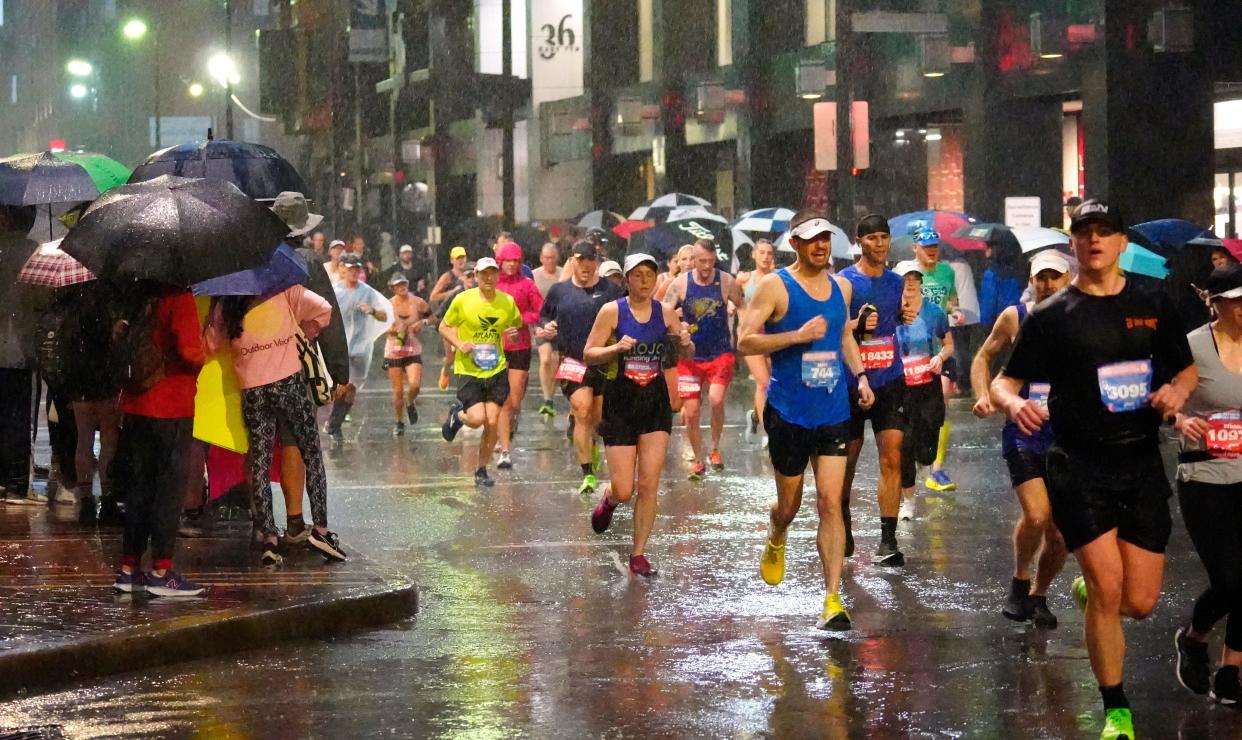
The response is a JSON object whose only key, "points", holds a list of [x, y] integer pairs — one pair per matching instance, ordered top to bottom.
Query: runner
{"points": [[677, 264], [547, 275], [452, 282], [939, 287], [703, 294], [876, 307], [365, 313], [568, 314], [799, 318], [476, 323], [925, 343], [1103, 346], [517, 349], [403, 351], [760, 366], [638, 403], [1209, 488], [1034, 533]]}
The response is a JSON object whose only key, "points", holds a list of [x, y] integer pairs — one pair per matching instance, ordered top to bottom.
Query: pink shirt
{"points": [[529, 302], [267, 350]]}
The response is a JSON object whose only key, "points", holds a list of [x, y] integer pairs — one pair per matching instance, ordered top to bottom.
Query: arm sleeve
{"points": [[535, 303], [188, 339], [1029, 351]]}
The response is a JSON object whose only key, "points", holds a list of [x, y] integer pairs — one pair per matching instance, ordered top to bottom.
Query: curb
{"points": [[192, 638]]}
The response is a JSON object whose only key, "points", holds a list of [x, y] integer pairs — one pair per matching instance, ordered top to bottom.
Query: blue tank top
{"points": [[708, 317], [880, 355], [642, 364], [807, 387], [1013, 438]]}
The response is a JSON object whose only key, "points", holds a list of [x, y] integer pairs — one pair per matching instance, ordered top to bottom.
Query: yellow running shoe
{"points": [[772, 567], [834, 617], [1118, 725]]}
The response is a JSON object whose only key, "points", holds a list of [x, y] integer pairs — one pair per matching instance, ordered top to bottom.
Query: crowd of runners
{"points": [[1085, 368]]}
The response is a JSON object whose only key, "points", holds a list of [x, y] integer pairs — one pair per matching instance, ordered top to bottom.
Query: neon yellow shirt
{"points": [[482, 323]]}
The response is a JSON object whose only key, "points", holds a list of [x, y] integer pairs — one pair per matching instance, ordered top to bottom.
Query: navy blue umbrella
{"points": [[257, 170], [1171, 234], [284, 270]]}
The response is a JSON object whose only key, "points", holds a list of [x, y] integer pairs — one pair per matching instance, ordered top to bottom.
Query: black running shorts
{"points": [[518, 359], [402, 362], [594, 379], [494, 389], [631, 410], [888, 411], [924, 417], [791, 446], [1025, 464], [1090, 496]]}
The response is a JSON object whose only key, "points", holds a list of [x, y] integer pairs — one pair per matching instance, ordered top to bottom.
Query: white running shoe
{"points": [[906, 512]]}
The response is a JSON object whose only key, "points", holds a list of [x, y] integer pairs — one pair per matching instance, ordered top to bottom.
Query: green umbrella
{"points": [[107, 173]]}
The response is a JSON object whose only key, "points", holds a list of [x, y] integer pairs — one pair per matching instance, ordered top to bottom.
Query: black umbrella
{"points": [[259, 171], [174, 230]]}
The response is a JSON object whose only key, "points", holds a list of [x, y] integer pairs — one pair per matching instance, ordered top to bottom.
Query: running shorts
{"points": [[518, 359], [402, 362], [716, 371], [594, 379], [493, 389], [632, 410], [888, 411], [924, 417], [791, 446], [1025, 464], [1090, 496]]}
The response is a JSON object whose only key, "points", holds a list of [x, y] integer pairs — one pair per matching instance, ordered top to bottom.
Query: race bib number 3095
{"points": [[1125, 386]]}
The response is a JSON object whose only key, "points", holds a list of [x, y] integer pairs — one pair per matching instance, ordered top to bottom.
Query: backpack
{"points": [[59, 349], [137, 361]]}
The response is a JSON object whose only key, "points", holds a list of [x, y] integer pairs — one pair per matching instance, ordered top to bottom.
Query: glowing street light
{"points": [[134, 29], [79, 68], [223, 70], [78, 90], [195, 90]]}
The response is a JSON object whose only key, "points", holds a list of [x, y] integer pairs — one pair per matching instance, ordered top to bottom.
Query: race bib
{"points": [[877, 353], [485, 356], [918, 369], [572, 370], [641, 370], [821, 370], [688, 385], [1125, 386], [1038, 392], [1224, 437]]}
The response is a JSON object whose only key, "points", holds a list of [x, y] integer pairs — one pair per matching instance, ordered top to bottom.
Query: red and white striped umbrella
{"points": [[51, 267]]}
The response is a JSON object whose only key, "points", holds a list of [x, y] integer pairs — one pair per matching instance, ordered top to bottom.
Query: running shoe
{"points": [[444, 379], [547, 409], [411, 413], [452, 425], [752, 427], [569, 428], [399, 429], [763, 443], [688, 454], [597, 457], [716, 460], [504, 461], [698, 471], [481, 478], [940, 481], [589, 484], [65, 496], [906, 512], [602, 516], [296, 536], [328, 544], [888, 555], [270, 556], [640, 566], [772, 566], [128, 583], [172, 584], [1078, 589], [1018, 605], [1041, 615], [834, 618], [1194, 668], [1225, 689], [1118, 725]]}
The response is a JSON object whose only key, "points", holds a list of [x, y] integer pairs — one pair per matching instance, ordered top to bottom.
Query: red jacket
{"points": [[529, 303], [178, 335]]}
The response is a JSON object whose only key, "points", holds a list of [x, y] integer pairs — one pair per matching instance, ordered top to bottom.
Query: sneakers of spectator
{"points": [[295, 534], [329, 544], [128, 583], [172, 584]]}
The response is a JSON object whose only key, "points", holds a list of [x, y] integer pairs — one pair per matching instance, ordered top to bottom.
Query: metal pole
{"points": [[155, 56], [396, 67], [228, 83], [506, 124], [358, 154], [844, 183]]}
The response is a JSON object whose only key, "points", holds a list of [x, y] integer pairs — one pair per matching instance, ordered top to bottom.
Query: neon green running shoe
{"points": [[597, 457], [589, 484], [1079, 591], [1118, 725]]}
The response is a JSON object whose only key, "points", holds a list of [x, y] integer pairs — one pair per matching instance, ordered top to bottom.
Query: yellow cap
{"points": [[457, 252]]}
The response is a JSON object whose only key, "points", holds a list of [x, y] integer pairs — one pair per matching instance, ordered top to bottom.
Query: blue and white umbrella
{"points": [[659, 208], [765, 220]]}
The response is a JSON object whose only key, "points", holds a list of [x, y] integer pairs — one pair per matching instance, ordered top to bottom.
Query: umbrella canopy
{"points": [[257, 170], [57, 177], [659, 208], [694, 213], [604, 220], [765, 220], [945, 222], [627, 229], [175, 230], [980, 232], [1170, 234], [1035, 238], [664, 240], [1234, 246], [842, 248], [1137, 259], [51, 267], [284, 270]]}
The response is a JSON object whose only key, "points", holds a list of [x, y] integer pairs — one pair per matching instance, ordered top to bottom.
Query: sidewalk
{"points": [[60, 620]]}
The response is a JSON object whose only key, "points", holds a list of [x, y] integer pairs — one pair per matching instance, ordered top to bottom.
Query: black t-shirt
{"points": [[574, 310], [1076, 343]]}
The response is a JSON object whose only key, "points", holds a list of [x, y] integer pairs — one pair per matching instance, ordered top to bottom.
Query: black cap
{"points": [[1094, 209], [872, 224], [584, 249], [1225, 282]]}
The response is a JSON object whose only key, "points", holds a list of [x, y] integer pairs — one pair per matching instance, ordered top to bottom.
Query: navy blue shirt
{"points": [[883, 292], [574, 310]]}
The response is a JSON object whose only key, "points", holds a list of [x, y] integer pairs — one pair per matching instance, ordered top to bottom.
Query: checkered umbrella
{"points": [[659, 209], [602, 220], [765, 220], [51, 267]]}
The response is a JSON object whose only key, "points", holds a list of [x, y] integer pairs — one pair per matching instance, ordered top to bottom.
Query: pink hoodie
{"points": [[529, 302]]}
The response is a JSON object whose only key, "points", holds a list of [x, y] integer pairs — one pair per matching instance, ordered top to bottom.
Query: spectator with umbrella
{"points": [[18, 310]]}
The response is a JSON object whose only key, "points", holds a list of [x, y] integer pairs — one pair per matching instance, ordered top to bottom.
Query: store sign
{"points": [[368, 33], [556, 59], [1022, 211]]}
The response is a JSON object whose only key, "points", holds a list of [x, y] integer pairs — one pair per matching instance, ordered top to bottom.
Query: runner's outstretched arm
{"points": [[1000, 339]]}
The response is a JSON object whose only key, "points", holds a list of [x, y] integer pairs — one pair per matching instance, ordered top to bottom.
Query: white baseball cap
{"points": [[811, 228], [639, 258], [1049, 259], [487, 263], [609, 267], [907, 267]]}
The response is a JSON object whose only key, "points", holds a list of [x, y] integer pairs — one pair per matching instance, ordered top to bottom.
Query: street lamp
{"points": [[135, 29], [79, 68], [223, 70], [78, 90], [195, 90]]}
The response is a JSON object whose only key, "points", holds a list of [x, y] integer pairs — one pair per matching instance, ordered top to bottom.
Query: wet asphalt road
{"points": [[527, 626]]}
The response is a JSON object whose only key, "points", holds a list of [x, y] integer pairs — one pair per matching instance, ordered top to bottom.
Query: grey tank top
{"points": [[1219, 390]]}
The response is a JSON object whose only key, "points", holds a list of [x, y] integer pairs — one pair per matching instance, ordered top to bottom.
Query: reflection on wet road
{"points": [[527, 628]]}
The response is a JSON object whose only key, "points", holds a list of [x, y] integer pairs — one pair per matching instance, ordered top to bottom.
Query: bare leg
{"points": [[547, 370], [760, 371], [414, 374], [395, 377], [716, 397], [582, 406], [694, 435], [487, 442], [889, 444], [651, 450], [292, 478], [1033, 530], [830, 538], [1121, 579]]}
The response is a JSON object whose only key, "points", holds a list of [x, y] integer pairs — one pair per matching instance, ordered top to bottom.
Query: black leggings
{"points": [[1213, 516]]}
